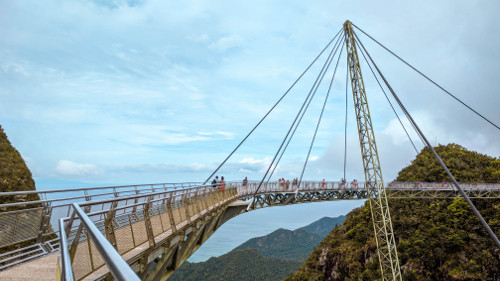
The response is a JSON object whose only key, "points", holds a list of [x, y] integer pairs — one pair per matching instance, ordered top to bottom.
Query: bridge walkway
{"points": [[147, 227]]}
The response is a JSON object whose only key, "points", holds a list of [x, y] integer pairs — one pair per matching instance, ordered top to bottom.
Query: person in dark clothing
{"points": [[215, 181]]}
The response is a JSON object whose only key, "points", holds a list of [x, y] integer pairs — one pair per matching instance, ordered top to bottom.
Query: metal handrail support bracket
{"points": [[171, 214], [44, 224], [108, 224], [116, 264]]}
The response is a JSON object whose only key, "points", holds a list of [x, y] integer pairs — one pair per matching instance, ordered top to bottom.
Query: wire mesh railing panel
{"points": [[182, 214], [165, 219], [19, 225], [156, 225], [139, 232], [124, 239], [97, 260], [81, 263]]}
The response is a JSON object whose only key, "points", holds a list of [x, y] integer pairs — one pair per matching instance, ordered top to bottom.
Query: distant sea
{"points": [[264, 221]]}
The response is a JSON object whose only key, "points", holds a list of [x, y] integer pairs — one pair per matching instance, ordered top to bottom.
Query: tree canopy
{"points": [[437, 239]]}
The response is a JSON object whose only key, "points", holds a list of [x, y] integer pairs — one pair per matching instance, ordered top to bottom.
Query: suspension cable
{"points": [[319, 78], [430, 80], [388, 100], [346, 103], [274, 106], [320, 117], [298, 123], [436, 155]]}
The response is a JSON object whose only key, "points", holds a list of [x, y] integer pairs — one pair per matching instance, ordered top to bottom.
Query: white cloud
{"points": [[227, 42], [225, 135], [313, 158], [253, 161], [70, 169]]}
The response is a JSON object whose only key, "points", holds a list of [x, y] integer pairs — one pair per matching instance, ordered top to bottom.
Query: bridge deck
{"points": [[170, 221], [132, 241]]}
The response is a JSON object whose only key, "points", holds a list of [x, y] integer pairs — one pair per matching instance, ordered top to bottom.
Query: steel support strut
{"points": [[382, 225]]}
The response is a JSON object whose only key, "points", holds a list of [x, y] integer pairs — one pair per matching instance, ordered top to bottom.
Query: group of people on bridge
{"points": [[219, 184]]}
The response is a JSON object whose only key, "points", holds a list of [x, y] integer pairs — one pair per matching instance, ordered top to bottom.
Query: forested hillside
{"points": [[465, 165], [14, 174], [437, 239], [284, 244], [270, 257], [241, 265]]}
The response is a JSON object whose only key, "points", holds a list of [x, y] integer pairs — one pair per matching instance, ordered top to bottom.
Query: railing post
{"points": [[206, 197], [87, 198], [198, 201], [185, 205], [171, 214], [44, 224], [108, 225], [149, 227], [66, 270]]}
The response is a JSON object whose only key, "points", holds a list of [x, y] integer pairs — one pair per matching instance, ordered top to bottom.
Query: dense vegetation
{"points": [[465, 165], [14, 174], [437, 239], [284, 244], [270, 257], [242, 265]]}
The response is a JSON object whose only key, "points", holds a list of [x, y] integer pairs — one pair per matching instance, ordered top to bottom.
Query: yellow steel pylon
{"points": [[382, 225]]}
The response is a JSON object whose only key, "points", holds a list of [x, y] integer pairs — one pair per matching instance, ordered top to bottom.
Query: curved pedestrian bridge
{"points": [[155, 228]]}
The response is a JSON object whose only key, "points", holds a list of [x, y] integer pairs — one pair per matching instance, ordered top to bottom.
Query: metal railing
{"points": [[38, 222], [130, 222], [41, 224], [114, 261]]}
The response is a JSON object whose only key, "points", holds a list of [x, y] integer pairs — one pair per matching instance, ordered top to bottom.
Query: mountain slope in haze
{"points": [[324, 225], [437, 239], [284, 244], [296, 244], [282, 251]]}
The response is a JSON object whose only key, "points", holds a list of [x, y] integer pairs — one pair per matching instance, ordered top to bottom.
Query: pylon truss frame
{"points": [[382, 224]]}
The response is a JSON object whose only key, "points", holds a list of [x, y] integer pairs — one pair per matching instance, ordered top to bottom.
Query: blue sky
{"points": [[126, 92]]}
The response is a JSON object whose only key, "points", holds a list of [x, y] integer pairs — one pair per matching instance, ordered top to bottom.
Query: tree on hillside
{"points": [[465, 165], [14, 174], [437, 239]]}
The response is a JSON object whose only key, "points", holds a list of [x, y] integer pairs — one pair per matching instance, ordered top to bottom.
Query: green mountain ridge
{"points": [[324, 225], [437, 239], [284, 244], [293, 244], [282, 248], [247, 264]]}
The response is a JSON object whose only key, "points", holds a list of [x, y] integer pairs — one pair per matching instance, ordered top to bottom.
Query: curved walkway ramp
{"points": [[155, 228]]}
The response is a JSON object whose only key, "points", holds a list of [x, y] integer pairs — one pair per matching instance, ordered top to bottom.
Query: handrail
{"points": [[149, 190], [10, 193], [118, 267], [66, 270]]}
